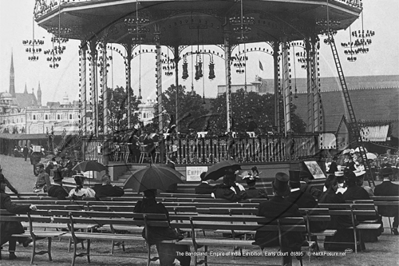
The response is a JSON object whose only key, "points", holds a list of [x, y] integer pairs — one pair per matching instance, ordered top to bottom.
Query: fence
{"points": [[198, 151]]}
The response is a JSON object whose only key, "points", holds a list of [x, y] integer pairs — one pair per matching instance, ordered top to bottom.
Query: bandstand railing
{"points": [[199, 151]]}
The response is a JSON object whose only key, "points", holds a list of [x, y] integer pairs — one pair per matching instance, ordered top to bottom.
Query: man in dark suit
{"points": [[204, 187], [387, 188], [106, 189], [57, 190], [354, 192], [301, 198], [275, 208]]}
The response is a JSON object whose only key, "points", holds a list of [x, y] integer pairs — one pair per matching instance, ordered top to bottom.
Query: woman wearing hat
{"points": [[230, 190], [79, 191], [252, 191], [278, 207], [343, 238], [167, 252]]}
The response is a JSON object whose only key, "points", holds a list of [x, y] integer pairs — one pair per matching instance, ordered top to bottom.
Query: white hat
{"points": [[359, 172], [339, 173]]}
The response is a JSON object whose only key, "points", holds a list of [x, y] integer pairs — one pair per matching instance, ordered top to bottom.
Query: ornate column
{"points": [[227, 55], [177, 59], [128, 67], [158, 76], [286, 87], [310, 87], [94, 88], [83, 89], [277, 93], [105, 102], [318, 112]]}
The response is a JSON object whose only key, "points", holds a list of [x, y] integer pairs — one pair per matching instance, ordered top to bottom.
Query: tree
{"points": [[248, 105], [118, 107], [190, 109]]}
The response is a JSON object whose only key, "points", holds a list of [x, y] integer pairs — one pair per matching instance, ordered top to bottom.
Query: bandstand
{"points": [[224, 24]]}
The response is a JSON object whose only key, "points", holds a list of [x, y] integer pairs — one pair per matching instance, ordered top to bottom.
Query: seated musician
{"points": [[275, 208], [166, 252]]}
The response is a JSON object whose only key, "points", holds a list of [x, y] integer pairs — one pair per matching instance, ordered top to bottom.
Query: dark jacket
{"points": [[204, 188], [387, 188], [57, 191], [108, 191], [224, 192], [253, 193], [356, 193], [302, 199], [276, 208], [337, 221], [9, 228], [155, 234]]}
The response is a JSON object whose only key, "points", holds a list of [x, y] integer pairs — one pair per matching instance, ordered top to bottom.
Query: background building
{"points": [[23, 113]]}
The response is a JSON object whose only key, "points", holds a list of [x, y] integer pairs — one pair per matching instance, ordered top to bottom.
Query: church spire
{"points": [[12, 77], [26, 89], [39, 95]]}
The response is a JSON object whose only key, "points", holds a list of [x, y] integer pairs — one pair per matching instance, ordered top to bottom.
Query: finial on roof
{"points": [[26, 89]]}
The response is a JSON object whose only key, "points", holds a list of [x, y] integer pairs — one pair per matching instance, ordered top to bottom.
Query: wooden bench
{"points": [[355, 212], [248, 223], [33, 233]]}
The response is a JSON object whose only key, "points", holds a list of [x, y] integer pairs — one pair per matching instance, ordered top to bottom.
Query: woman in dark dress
{"points": [[7, 229], [343, 238], [166, 252]]}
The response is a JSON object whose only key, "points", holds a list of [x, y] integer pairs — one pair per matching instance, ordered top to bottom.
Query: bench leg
{"points": [[49, 248], [33, 250], [88, 250], [148, 255]]}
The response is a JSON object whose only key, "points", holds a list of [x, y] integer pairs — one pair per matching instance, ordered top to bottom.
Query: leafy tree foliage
{"points": [[246, 106], [118, 107], [190, 109]]}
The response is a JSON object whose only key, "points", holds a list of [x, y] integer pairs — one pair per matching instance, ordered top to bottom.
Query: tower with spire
{"points": [[12, 77], [39, 95]]}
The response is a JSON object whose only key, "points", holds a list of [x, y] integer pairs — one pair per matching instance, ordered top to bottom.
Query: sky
{"points": [[16, 25]]}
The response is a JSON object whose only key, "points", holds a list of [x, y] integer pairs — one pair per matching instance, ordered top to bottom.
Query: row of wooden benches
{"points": [[179, 213], [193, 223]]}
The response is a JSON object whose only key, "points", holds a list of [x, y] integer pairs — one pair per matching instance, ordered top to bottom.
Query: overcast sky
{"points": [[16, 25]]}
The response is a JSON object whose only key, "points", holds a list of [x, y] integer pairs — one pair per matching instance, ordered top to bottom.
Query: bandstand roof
{"points": [[189, 22]]}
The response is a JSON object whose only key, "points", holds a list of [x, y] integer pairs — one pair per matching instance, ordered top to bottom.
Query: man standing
{"points": [[25, 151], [204, 187], [387, 188], [276, 208]]}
